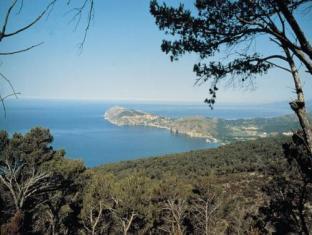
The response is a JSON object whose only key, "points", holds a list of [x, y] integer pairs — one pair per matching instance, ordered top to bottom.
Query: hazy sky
{"points": [[121, 59]]}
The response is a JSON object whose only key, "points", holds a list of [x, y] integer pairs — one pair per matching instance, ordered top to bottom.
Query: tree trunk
{"points": [[305, 45], [298, 105], [15, 225]]}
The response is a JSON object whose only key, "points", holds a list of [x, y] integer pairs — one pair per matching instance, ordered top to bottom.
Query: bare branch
{"points": [[21, 7], [77, 16], [90, 17], [7, 19], [30, 24], [19, 51], [10, 84], [3, 98], [22, 189], [176, 213]]}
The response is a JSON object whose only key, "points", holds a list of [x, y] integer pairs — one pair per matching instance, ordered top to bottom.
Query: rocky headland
{"points": [[214, 130]]}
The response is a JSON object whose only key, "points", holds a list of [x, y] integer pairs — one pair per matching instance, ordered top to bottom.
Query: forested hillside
{"points": [[245, 156], [227, 190]]}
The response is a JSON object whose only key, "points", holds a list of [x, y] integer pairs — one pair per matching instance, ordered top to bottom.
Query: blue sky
{"points": [[121, 59]]}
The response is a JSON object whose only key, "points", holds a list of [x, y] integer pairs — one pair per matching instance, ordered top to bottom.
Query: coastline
{"points": [[213, 130]]}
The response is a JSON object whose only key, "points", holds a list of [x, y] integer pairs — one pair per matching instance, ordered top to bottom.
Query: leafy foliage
{"points": [[227, 27], [38, 184]]}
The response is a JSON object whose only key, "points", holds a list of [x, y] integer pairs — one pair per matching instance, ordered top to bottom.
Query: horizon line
{"points": [[137, 100]]}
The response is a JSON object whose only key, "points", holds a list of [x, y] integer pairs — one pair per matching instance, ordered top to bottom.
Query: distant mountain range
{"points": [[214, 130]]}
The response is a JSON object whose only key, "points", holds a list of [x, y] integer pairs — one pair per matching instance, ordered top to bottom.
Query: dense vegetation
{"points": [[241, 188]]}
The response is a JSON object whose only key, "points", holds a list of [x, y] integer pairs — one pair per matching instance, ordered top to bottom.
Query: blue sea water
{"points": [[79, 127]]}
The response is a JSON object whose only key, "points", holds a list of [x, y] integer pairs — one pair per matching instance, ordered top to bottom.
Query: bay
{"points": [[79, 126]]}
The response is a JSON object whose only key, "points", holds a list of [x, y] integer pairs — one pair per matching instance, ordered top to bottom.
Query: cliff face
{"points": [[211, 129]]}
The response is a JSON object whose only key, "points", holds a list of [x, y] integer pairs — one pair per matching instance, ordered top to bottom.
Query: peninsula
{"points": [[215, 130]]}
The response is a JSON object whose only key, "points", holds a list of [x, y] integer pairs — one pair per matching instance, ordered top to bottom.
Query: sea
{"points": [[79, 127]]}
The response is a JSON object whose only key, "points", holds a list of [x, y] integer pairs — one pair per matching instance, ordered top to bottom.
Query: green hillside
{"points": [[249, 156], [241, 188]]}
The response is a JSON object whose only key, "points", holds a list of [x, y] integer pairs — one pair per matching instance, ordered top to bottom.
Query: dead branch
{"points": [[21, 50], [22, 188]]}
